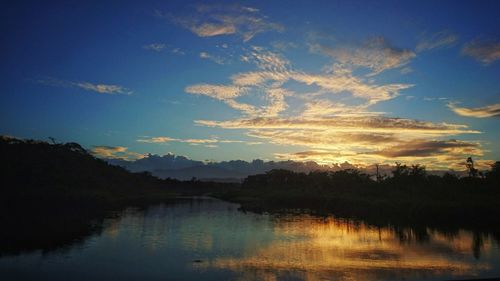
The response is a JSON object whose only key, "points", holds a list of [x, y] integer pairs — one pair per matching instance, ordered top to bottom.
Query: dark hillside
{"points": [[55, 193]]}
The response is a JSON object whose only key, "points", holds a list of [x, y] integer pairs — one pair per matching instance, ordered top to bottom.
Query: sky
{"points": [[327, 81]]}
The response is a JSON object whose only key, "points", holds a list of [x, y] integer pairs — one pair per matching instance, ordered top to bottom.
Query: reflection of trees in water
{"points": [[46, 232], [418, 234], [424, 235], [477, 244], [304, 246], [328, 247]]}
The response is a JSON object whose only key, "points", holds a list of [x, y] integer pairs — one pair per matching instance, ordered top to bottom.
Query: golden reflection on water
{"points": [[213, 236], [321, 248]]}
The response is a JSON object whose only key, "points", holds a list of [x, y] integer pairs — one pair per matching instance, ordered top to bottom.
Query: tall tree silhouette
{"points": [[470, 167]]}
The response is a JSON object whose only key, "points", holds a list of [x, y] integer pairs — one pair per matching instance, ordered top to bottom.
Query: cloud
{"points": [[217, 20], [210, 29], [437, 40], [283, 45], [157, 47], [178, 51], [485, 52], [375, 54], [216, 59], [266, 60], [273, 67], [276, 69], [406, 70], [257, 78], [345, 81], [99, 88], [103, 88], [220, 92], [223, 93], [276, 104], [323, 108], [492, 110], [328, 115], [370, 124], [356, 139], [211, 142], [341, 142], [426, 148], [115, 152], [434, 154], [318, 156]]}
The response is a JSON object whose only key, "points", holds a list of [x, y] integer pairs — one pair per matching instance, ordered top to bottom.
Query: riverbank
{"points": [[424, 200]]}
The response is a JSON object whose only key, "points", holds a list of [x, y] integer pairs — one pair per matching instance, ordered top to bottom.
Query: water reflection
{"points": [[207, 239], [325, 248]]}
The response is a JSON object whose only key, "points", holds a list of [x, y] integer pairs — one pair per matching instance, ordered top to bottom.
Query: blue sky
{"points": [[328, 81]]}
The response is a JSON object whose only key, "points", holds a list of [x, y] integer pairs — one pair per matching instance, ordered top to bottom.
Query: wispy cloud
{"points": [[217, 20], [211, 29], [436, 40], [283, 45], [157, 47], [160, 47], [178, 51], [485, 52], [375, 54], [214, 58], [266, 60], [273, 67], [273, 70], [342, 81], [98, 88], [104, 88], [220, 92], [325, 108], [492, 110], [334, 121], [371, 124], [355, 139], [210, 142], [426, 148], [115, 152], [434, 154]]}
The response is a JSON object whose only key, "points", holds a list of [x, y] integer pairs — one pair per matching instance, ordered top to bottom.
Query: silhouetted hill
{"points": [[155, 162], [183, 168], [203, 173], [52, 194]]}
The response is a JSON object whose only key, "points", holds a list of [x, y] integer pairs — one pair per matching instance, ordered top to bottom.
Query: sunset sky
{"points": [[327, 81]]}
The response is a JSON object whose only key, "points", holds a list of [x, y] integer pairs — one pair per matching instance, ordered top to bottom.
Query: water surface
{"points": [[209, 239]]}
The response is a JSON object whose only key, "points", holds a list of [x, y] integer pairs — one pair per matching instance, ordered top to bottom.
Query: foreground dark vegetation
{"points": [[54, 194], [57, 194], [409, 196]]}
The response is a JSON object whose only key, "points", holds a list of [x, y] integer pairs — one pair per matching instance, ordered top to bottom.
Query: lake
{"points": [[210, 239]]}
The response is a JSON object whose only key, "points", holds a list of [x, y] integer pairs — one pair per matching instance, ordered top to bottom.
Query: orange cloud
{"points": [[492, 110]]}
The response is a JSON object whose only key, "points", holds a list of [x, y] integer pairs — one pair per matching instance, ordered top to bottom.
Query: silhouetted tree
{"points": [[53, 140], [470, 167], [400, 170], [418, 171], [493, 176], [378, 177]]}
